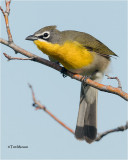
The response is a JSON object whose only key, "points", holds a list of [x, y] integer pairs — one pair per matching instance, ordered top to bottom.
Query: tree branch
{"points": [[2, 11], [6, 14], [14, 58], [119, 83], [101, 87], [38, 105], [121, 128]]}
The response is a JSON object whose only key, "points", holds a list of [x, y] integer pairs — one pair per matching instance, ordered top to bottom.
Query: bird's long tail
{"points": [[87, 117], [86, 128]]}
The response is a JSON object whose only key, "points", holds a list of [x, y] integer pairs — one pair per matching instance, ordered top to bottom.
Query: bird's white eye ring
{"points": [[46, 35]]}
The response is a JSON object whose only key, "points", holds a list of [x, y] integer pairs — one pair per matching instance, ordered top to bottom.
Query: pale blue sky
{"points": [[21, 124]]}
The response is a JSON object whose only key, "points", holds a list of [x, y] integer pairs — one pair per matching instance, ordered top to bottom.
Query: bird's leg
{"points": [[64, 71], [91, 76], [84, 78]]}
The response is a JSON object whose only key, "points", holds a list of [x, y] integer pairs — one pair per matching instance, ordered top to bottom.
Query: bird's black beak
{"points": [[31, 38]]}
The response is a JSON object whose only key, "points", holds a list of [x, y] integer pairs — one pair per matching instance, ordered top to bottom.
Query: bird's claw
{"points": [[64, 71], [84, 78]]}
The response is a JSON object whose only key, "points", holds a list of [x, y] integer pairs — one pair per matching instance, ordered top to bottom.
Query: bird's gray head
{"points": [[48, 33]]}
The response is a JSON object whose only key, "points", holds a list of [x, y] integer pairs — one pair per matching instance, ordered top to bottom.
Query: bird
{"points": [[83, 54]]}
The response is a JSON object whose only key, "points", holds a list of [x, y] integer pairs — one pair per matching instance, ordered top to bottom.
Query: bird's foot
{"points": [[64, 72], [84, 78]]}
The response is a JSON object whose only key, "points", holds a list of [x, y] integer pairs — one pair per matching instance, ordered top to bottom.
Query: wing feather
{"points": [[89, 42]]}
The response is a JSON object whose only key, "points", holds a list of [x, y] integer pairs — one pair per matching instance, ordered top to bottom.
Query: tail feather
{"points": [[90, 121], [86, 128], [79, 132]]}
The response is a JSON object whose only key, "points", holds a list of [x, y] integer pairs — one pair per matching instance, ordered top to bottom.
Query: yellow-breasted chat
{"points": [[80, 53]]}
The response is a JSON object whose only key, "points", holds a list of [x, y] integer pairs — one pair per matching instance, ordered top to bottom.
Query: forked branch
{"points": [[6, 14], [119, 83], [101, 87], [38, 105], [118, 129]]}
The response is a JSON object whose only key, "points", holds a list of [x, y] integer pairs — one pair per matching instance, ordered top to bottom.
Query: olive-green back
{"points": [[88, 42]]}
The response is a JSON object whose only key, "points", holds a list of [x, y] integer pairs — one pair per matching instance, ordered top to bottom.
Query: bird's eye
{"points": [[45, 35]]}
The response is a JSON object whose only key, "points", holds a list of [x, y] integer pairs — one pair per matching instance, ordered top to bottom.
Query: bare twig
{"points": [[7, 3], [2, 11], [6, 14], [15, 58], [119, 83], [38, 105], [121, 128]]}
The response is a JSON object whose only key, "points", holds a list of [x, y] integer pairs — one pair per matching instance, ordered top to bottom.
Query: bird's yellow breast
{"points": [[72, 55]]}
